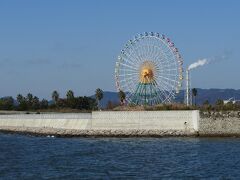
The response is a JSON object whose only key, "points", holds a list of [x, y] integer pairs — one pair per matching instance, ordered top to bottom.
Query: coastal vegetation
{"points": [[194, 94], [99, 96], [122, 97], [33, 103], [72, 103], [177, 106]]}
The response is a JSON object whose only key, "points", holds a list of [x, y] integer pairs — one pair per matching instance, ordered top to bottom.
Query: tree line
{"points": [[31, 102]]}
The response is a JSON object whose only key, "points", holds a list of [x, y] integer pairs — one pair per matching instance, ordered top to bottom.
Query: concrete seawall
{"points": [[58, 121], [105, 123], [125, 123]]}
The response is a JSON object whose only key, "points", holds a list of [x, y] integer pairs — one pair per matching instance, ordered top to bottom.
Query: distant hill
{"points": [[212, 95], [108, 96]]}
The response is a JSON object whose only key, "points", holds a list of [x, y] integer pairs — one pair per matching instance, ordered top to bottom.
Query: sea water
{"points": [[29, 157]]}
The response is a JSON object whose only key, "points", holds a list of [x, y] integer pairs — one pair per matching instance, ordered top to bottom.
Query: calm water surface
{"points": [[26, 157]]}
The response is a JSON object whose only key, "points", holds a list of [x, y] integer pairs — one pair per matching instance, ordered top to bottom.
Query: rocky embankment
{"points": [[220, 114], [223, 123], [95, 133]]}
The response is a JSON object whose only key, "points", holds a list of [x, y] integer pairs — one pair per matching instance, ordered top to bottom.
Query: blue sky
{"points": [[47, 45]]}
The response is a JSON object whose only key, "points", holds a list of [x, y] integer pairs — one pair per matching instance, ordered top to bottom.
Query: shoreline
{"points": [[68, 133], [95, 133], [143, 133]]}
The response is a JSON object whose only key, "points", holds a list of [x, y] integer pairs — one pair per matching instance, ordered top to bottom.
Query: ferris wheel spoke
{"points": [[149, 45], [145, 48], [155, 50], [140, 52], [134, 53], [129, 57], [138, 57], [162, 58], [133, 59], [129, 61], [161, 61], [168, 65], [131, 67], [166, 69], [169, 70], [128, 71], [128, 74], [171, 75], [167, 79], [127, 80], [128, 83], [167, 85], [165, 88], [128, 89], [159, 94]]}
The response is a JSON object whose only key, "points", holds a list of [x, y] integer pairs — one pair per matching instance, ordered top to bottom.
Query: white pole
{"points": [[187, 86]]}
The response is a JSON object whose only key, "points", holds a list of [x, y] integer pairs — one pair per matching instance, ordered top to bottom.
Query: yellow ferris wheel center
{"points": [[147, 72]]}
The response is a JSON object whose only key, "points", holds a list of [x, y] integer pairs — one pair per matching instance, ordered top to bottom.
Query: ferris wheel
{"points": [[149, 70]]}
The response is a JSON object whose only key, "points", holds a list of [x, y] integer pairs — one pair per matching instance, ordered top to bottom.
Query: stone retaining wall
{"points": [[226, 123]]}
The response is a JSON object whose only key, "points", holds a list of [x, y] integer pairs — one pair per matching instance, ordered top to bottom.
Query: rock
{"points": [[238, 114]]}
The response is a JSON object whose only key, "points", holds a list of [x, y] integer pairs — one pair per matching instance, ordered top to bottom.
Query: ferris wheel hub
{"points": [[147, 72]]}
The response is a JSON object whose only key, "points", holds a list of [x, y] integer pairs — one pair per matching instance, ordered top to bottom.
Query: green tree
{"points": [[194, 93], [70, 94], [99, 96], [122, 96], [55, 97], [20, 98], [29, 99], [71, 101], [219, 102], [7, 103], [22, 103], [35, 103], [61, 103], [85, 103], [92, 103], [44, 104], [207, 105], [219, 105], [230, 106]]}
